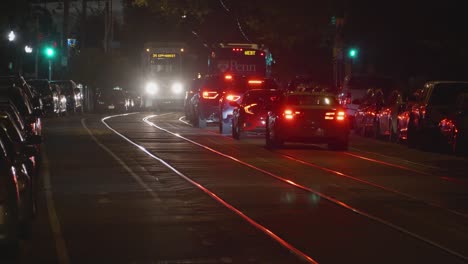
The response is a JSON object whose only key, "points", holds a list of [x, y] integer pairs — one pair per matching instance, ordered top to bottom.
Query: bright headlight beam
{"points": [[151, 88], [177, 88]]}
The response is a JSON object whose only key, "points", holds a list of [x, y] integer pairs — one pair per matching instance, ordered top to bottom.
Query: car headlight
{"points": [[151, 88], [177, 88]]}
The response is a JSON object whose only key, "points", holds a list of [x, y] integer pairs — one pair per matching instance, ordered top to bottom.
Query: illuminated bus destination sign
{"points": [[249, 52], [163, 55]]}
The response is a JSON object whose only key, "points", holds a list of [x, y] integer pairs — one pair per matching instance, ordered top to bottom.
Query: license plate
{"points": [[111, 107]]}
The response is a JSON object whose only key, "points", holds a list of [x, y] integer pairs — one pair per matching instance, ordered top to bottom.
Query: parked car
{"points": [[18, 81], [355, 88], [14, 94], [47, 95], [73, 95], [113, 99], [60, 100], [437, 104], [251, 111], [307, 118], [454, 127], [10, 202], [25, 202]]}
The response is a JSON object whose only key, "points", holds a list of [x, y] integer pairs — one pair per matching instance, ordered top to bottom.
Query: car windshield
{"points": [[447, 93], [309, 100]]}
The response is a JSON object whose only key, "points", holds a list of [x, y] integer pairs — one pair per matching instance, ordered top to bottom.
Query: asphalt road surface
{"points": [[149, 188]]}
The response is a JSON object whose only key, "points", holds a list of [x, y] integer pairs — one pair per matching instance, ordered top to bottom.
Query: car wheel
{"points": [[201, 122], [223, 127], [376, 129], [234, 130], [392, 136], [272, 138]]}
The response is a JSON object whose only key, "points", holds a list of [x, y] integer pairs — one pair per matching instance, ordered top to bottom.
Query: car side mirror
{"points": [[356, 101], [234, 104], [34, 140]]}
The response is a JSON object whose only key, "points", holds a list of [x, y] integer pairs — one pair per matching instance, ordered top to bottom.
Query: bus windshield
{"points": [[165, 65]]}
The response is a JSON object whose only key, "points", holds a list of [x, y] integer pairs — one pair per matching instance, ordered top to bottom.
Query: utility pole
{"points": [[84, 8], [66, 10], [108, 26], [338, 56]]}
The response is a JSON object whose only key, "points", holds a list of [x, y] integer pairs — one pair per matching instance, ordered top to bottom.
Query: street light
{"points": [[11, 36], [28, 49]]}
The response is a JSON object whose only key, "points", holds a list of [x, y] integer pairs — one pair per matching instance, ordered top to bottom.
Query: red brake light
{"points": [[228, 77], [255, 81], [209, 95], [231, 97], [289, 114], [339, 115]]}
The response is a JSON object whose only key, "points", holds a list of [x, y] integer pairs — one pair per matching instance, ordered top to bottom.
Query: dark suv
{"points": [[204, 103], [435, 105]]}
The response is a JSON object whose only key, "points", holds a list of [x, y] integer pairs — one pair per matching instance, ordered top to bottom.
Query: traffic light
{"points": [[49, 52], [353, 53]]}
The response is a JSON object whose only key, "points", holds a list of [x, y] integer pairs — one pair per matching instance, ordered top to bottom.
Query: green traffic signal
{"points": [[49, 52], [353, 53]]}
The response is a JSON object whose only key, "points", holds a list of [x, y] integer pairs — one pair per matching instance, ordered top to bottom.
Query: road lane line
{"points": [[181, 119], [122, 163], [395, 191], [322, 195], [262, 228], [60, 246]]}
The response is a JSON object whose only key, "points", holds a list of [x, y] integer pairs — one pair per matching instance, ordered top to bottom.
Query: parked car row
{"points": [[59, 97], [243, 105], [434, 117], [20, 141]]}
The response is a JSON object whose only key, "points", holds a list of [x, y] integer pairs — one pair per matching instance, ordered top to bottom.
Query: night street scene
{"points": [[233, 131]]}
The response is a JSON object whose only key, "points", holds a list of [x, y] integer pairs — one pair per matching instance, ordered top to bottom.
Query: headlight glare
{"points": [[151, 88], [177, 88]]}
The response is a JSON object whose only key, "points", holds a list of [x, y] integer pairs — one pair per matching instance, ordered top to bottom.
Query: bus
{"points": [[246, 59], [164, 73]]}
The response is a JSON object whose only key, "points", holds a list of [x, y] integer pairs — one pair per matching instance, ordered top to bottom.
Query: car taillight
{"points": [[228, 77], [255, 81], [209, 95], [231, 97], [289, 114], [339, 115]]}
